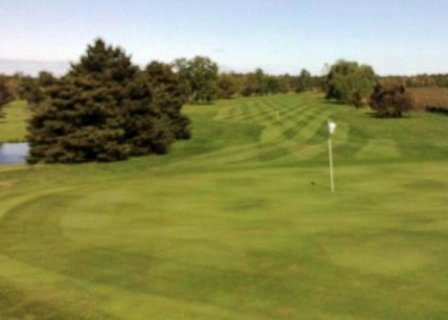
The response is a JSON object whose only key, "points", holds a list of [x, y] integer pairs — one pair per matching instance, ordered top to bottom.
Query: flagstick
{"points": [[330, 151]]}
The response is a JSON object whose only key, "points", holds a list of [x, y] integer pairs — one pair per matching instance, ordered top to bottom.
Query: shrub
{"points": [[391, 102]]}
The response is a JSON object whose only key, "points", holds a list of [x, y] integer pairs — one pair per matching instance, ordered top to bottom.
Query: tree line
{"points": [[199, 82], [202, 82], [258, 83], [106, 108]]}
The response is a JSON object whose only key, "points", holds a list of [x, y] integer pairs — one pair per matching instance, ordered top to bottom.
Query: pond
{"points": [[13, 152]]}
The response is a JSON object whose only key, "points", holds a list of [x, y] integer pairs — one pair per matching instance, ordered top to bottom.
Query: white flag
{"points": [[331, 127]]}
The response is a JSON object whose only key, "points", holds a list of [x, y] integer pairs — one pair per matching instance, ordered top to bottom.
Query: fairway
{"points": [[238, 222]]}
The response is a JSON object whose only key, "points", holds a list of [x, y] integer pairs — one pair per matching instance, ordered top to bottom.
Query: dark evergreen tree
{"points": [[168, 95], [101, 110], [80, 122], [147, 127]]}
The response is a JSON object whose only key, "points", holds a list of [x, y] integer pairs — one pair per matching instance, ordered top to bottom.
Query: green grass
{"points": [[13, 124], [238, 223]]}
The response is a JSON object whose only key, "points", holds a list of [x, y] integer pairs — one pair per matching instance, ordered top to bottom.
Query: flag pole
{"points": [[331, 130], [330, 151]]}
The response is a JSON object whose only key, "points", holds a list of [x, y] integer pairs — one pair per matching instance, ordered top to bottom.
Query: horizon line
{"points": [[223, 68]]}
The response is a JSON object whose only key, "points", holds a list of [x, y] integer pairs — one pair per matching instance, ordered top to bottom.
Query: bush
{"points": [[391, 102], [440, 110]]}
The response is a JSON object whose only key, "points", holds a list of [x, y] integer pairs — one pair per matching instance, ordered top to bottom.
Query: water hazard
{"points": [[13, 152]]}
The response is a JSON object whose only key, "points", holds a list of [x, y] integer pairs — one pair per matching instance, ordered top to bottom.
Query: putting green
{"points": [[238, 223]]}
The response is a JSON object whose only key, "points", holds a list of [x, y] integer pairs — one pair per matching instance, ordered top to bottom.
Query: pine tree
{"points": [[168, 95], [102, 110], [147, 127]]}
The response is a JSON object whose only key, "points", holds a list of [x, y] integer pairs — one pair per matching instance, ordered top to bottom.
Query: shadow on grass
{"points": [[333, 102], [202, 103], [375, 115]]}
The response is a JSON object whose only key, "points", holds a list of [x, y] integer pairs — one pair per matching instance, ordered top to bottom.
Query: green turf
{"points": [[13, 124], [238, 223]]}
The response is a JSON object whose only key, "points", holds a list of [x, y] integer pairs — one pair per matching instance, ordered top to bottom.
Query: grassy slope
{"points": [[13, 125], [238, 223]]}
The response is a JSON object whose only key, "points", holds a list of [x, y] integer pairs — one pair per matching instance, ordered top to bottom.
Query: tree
{"points": [[199, 76], [46, 79], [261, 80], [304, 81], [288, 82], [350, 82], [257, 83], [13, 84], [276, 84], [226, 86], [249, 86], [31, 92], [5, 94], [169, 96], [356, 99], [391, 102], [101, 110], [84, 117]]}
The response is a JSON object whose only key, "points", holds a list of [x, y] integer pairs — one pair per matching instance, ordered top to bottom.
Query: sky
{"points": [[280, 36]]}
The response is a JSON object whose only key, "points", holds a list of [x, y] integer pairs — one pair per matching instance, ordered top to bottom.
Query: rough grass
{"points": [[431, 97], [13, 124], [238, 223]]}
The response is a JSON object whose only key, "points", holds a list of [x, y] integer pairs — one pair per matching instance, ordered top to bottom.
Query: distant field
{"points": [[431, 97], [13, 125], [238, 223]]}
